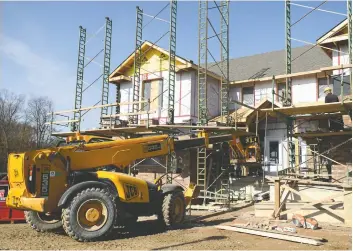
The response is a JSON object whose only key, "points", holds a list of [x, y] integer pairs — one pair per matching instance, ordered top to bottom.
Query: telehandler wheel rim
{"points": [[178, 210], [92, 215], [47, 218]]}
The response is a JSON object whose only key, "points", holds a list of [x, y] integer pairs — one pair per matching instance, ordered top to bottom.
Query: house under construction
{"points": [[275, 98]]}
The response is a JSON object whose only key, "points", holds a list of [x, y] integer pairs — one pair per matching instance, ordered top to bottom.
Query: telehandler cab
{"points": [[61, 187]]}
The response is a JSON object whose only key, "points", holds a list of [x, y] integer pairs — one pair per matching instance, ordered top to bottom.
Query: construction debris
{"points": [[262, 196], [301, 221], [285, 229], [275, 235]]}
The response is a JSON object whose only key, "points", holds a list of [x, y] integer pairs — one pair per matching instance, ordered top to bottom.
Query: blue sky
{"points": [[39, 40]]}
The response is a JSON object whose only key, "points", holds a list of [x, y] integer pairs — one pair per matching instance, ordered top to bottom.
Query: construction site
{"points": [[228, 153]]}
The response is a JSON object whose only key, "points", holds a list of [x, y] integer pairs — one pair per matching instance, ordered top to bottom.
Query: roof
{"points": [[339, 32], [129, 61], [273, 63], [118, 74], [243, 114]]}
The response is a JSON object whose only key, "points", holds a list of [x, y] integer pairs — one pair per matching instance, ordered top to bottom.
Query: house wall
{"points": [[340, 57], [304, 89], [263, 91], [235, 94], [125, 96], [194, 97], [213, 97], [186, 101], [276, 131]]}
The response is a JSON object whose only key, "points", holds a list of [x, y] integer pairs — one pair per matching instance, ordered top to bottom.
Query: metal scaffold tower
{"points": [[224, 10], [138, 58], [288, 58], [137, 63], [106, 66], [171, 70], [202, 90], [288, 92], [288, 96], [75, 126], [207, 177]]}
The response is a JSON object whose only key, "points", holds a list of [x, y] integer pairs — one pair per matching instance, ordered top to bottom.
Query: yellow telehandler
{"points": [[64, 187]]}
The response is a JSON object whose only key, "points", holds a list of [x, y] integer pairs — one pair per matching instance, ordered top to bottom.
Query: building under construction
{"points": [[275, 99]]}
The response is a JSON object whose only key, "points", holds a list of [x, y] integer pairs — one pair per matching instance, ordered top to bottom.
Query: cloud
{"points": [[39, 75], [43, 76]]}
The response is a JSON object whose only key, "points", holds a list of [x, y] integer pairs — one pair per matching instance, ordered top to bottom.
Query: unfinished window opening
{"points": [[334, 83], [281, 88], [146, 94], [248, 96], [274, 152]]}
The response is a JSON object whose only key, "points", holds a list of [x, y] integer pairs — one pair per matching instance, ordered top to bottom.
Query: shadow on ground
{"points": [[210, 238]]}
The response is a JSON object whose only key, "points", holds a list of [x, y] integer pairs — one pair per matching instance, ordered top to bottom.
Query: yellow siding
{"points": [[154, 63]]}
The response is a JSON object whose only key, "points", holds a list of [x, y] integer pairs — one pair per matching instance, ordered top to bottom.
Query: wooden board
{"points": [[314, 108], [111, 132], [322, 134], [307, 182], [275, 235]]}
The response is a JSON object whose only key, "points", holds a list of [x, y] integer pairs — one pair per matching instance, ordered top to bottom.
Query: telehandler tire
{"points": [[173, 209], [90, 215], [42, 222]]}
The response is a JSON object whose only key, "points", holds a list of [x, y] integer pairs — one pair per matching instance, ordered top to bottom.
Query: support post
{"points": [[137, 63], [106, 66], [342, 86], [273, 91], [117, 99], [75, 126], [290, 144], [265, 152], [297, 155], [277, 194], [347, 200]]}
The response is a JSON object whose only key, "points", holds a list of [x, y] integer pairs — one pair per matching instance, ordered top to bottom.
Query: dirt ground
{"points": [[201, 235]]}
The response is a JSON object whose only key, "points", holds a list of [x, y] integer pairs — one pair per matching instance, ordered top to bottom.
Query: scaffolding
{"points": [[138, 55], [75, 123], [213, 169], [208, 172]]}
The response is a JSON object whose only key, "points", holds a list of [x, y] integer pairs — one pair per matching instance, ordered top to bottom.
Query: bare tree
{"points": [[11, 106], [37, 116]]}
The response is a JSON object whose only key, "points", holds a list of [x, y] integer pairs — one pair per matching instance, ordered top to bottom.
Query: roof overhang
{"points": [[331, 33], [297, 74]]}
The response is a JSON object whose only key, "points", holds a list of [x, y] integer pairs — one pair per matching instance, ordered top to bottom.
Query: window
{"points": [[323, 83], [335, 84], [281, 88], [248, 96], [274, 152]]}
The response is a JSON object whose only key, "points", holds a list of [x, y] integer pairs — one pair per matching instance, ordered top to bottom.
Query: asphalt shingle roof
{"points": [[273, 63]]}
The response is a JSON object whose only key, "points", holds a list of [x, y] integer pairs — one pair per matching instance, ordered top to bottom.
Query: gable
{"points": [[153, 61]]}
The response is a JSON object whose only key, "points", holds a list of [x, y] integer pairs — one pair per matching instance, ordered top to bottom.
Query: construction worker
{"points": [[335, 123]]}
